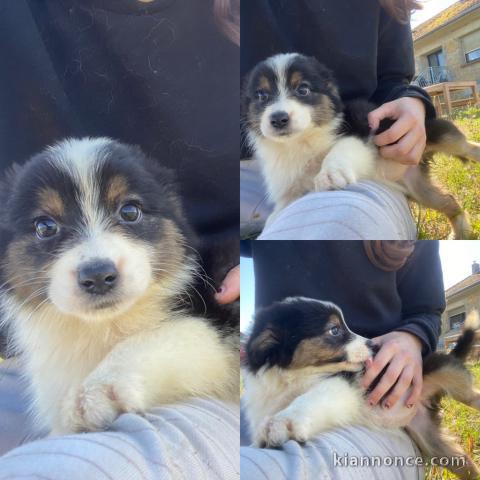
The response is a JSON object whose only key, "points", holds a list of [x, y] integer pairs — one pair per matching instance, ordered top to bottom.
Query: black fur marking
{"points": [[318, 77], [286, 324]]}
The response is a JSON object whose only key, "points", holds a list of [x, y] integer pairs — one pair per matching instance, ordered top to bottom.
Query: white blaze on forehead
{"points": [[280, 64], [81, 159]]}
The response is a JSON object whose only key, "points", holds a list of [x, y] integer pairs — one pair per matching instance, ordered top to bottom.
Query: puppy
{"points": [[307, 139], [97, 258], [302, 378]]}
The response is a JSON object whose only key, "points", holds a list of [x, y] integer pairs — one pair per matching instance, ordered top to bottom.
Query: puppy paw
{"points": [[334, 178], [94, 406], [280, 428]]}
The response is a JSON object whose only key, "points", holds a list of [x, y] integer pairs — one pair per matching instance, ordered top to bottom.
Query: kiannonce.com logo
{"points": [[396, 461]]}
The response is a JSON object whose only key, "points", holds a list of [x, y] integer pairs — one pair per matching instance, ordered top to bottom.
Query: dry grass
{"points": [[461, 180], [464, 423]]}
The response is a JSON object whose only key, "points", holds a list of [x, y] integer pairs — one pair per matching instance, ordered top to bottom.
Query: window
{"points": [[471, 46], [436, 59], [456, 321]]}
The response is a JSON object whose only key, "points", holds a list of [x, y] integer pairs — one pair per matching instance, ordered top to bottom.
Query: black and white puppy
{"points": [[307, 139], [96, 259], [302, 378]]}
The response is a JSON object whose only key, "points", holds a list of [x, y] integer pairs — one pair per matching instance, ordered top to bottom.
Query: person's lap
{"points": [[363, 211], [194, 439], [335, 454]]}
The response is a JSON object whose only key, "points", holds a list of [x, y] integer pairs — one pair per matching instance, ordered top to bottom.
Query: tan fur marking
{"points": [[296, 79], [264, 84], [117, 190], [51, 202], [26, 280]]}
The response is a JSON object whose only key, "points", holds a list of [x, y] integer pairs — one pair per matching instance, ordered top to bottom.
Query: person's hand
{"points": [[405, 140], [229, 291], [403, 352]]}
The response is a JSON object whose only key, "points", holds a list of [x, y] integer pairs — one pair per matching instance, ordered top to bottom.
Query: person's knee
{"points": [[346, 215]]}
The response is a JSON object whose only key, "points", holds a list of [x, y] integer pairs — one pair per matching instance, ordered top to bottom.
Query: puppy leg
{"points": [[444, 136], [349, 161], [421, 189], [183, 357], [455, 381], [332, 403], [439, 446]]}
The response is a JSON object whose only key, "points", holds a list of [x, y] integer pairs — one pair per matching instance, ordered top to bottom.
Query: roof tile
{"points": [[445, 16]]}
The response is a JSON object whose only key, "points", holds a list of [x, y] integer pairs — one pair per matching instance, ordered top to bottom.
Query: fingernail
{"points": [[221, 290], [371, 403], [387, 405], [409, 405]]}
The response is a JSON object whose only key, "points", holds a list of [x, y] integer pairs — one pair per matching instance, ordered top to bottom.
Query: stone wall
{"points": [[449, 38]]}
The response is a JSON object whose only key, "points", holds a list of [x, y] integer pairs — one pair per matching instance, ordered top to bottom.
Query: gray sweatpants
{"points": [[363, 211], [198, 439], [353, 453]]}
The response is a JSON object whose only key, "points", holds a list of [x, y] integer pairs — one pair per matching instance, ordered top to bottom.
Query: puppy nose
{"points": [[279, 119], [97, 277], [374, 348]]}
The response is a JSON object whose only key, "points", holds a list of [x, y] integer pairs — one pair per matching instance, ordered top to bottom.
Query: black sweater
{"points": [[370, 53], [160, 75], [374, 302]]}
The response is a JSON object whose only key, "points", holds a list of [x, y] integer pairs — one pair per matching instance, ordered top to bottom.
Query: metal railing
{"points": [[432, 76]]}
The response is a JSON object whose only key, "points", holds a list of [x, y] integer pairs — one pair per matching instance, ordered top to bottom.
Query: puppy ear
{"points": [[262, 349]]}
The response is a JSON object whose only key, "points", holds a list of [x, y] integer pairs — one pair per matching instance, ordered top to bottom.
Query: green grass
{"points": [[460, 179], [464, 423]]}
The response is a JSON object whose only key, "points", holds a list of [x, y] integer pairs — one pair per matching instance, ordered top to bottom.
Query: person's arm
{"points": [[396, 65], [408, 105], [420, 286]]}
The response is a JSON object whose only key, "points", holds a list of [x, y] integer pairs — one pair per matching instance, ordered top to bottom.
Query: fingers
{"points": [[387, 110], [401, 127], [408, 150], [230, 289], [381, 359], [387, 381], [402, 385], [417, 389]]}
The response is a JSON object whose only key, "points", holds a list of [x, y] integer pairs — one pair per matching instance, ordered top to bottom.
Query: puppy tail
{"points": [[444, 136], [467, 339], [464, 344], [447, 375]]}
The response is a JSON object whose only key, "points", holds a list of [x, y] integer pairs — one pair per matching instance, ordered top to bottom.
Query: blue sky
{"points": [[456, 256]]}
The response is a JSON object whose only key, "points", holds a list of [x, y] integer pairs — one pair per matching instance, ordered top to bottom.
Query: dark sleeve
{"points": [[396, 65], [420, 287]]}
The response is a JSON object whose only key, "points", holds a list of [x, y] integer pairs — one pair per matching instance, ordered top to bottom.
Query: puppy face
{"points": [[287, 95], [90, 226], [301, 332]]}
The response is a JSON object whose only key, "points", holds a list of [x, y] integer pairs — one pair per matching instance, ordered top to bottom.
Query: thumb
{"points": [[387, 110], [230, 289]]}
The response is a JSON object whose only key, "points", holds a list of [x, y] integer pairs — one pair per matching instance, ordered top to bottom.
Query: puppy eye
{"points": [[303, 90], [261, 95], [130, 212], [45, 227], [334, 331]]}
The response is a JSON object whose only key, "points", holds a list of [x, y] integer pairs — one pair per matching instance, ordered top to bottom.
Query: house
{"points": [[447, 47], [463, 299]]}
